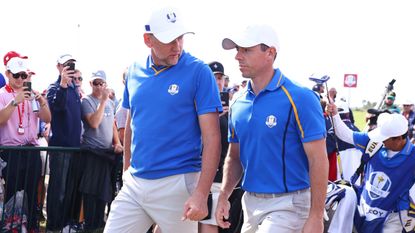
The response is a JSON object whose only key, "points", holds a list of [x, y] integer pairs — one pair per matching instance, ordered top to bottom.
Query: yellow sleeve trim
{"points": [[295, 111]]}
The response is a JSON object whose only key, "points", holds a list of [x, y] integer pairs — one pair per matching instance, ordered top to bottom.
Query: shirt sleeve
{"points": [[207, 97]]}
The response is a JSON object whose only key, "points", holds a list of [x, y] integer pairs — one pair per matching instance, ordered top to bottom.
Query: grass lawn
{"points": [[359, 119]]}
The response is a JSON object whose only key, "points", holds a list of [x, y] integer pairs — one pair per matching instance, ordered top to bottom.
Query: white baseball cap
{"points": [[166, 25], [253, 35], [62, 59], [16, 65], [342, 107], [389, 125]]}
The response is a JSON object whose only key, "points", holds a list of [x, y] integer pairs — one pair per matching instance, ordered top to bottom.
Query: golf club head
{"points": [[321, 80]]}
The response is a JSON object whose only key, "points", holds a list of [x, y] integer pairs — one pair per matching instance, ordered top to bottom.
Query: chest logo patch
{"points": [[173, 89], [271, 121], [378, 185]]}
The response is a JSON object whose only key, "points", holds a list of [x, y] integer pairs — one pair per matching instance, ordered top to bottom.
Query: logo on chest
{"points": [[173, 89], [271, 121], [378, 185]]}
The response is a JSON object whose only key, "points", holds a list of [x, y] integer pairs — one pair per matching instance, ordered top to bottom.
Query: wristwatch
{"points": [[14, 103]]}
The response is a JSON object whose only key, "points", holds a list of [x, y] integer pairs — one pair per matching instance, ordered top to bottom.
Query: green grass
{"points": [[359, 119]]}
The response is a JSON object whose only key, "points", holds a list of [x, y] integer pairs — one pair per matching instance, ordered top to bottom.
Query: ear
{"points": [[147, 40], [272, 53]]}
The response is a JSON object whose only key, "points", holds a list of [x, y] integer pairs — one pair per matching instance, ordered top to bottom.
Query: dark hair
{"points": [[264, 48], [403, 136]]}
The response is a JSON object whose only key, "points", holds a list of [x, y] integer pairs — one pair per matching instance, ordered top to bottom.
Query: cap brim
{"points": [[170, 35], [243, 42], [376, 135]]}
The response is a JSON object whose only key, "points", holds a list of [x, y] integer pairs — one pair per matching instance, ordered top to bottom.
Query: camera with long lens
{"points": [[374, 114]]}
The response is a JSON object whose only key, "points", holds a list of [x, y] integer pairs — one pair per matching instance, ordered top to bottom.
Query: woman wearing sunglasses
{"points": [[19, 126]]}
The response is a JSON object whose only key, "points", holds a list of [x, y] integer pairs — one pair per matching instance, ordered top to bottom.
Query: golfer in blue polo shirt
{"points": [[173, 103], [277, 144]]}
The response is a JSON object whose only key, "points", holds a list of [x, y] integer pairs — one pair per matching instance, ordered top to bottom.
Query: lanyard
{"points": [[20, 113]]}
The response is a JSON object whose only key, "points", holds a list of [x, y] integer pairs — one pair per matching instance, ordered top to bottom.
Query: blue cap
{"points": [[99, 74]]}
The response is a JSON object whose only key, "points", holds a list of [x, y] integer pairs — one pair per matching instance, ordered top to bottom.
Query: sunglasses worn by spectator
{"points": [[23, 75], [78, 78], [98, 83]]}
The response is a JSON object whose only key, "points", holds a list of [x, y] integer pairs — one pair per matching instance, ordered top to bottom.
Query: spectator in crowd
{"points": [[77, 80], [226, 84], [243, 84], [319, 89], [333, 94], [113, 98], [65, 103], [389, 103], [121, 114], [409, 114], [19, 126], [291, 133], [101, 143], [159, 154], [384, 197], [210, 225]]}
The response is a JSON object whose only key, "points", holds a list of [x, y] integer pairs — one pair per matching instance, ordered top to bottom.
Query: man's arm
{"points": [[116, 140], [127, 142], [318, 168], [232, 172], [196, 206]]}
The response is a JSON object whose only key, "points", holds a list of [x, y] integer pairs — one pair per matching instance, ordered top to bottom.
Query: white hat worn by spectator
{"points": [[166, 25], [253, 35], [62, 59], [16, 65], [389, 125]]}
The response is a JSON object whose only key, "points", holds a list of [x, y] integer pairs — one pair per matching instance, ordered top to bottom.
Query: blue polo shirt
{"points": [[165, 103], [271, 128]]}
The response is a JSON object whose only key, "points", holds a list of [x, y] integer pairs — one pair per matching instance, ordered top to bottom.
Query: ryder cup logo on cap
{"points": [[166, 25], [252, 36], [65, 58], [16, 65], [173, 89], [271, 121], [388, 126]]}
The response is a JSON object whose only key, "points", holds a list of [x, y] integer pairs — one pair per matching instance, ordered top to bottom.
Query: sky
{"points": [[373, 39]]}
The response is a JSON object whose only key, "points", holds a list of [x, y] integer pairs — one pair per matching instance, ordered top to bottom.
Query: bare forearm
{"points": [[127, 143], [318, 169], [232, 171]]}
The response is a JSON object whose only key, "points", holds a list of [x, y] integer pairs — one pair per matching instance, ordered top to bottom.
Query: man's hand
{"points": [[66, 77], [195, 208], [222, 212], [313, 225]]}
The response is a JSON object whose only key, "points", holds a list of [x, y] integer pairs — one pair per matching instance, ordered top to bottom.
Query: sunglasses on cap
{"points": [[18, 75], [78, 78], [98, 83]]}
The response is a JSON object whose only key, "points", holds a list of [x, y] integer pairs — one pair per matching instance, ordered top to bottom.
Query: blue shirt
{"points": [[165, 103], [271, 128], [386, 184]]}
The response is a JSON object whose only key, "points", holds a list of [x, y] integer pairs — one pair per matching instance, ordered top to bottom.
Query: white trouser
{"points": [[350, 161], [143, 202], [283, 214], [342, 220]]}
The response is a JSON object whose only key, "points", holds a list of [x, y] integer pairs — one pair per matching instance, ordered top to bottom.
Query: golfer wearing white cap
{"points": [[173, 102], [277, 144], [389, 158]]}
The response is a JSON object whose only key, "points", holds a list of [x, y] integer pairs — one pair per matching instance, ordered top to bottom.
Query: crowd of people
{"points": [[200, 155]]}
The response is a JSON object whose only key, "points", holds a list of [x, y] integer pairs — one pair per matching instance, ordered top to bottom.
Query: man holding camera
{"points": [[65, 103], [20, 111]]}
